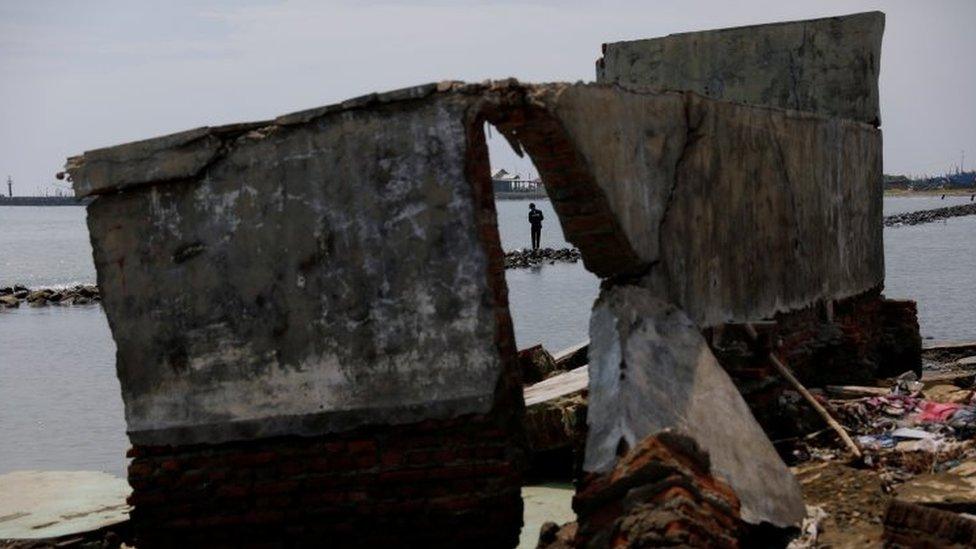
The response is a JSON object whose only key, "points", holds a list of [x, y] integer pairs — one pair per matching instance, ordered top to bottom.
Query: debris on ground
{"points": [[917, 438]]}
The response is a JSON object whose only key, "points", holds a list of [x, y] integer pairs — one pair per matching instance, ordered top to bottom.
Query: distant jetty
{"points": [[44, 201], [928, 216], [81, 294]]}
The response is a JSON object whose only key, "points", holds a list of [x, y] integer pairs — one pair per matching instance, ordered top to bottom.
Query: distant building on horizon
{"points": [[505, 182]]}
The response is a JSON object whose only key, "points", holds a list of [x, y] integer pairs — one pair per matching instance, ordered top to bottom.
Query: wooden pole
{"points": [[786, 373]]}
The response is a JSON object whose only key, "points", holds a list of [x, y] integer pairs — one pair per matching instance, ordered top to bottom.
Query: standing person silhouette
{"points": [[535, 220]]}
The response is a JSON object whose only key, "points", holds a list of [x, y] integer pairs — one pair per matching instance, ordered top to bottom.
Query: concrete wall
{"points": [[828, 65], [733, 212], [309, 278], [312, 328]]}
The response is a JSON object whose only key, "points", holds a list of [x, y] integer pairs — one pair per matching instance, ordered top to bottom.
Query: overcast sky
{"points": [[80, 75]]}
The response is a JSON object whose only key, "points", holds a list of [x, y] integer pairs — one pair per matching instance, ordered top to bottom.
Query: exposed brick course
{"points": [[864, 338], [438, 484]]}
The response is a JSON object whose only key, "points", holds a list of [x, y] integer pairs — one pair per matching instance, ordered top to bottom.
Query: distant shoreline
{"points": [[929, 192], [521, 195], [44, 201]]}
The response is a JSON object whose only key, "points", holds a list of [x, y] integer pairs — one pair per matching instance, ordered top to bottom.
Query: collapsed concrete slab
{"points": [[828, 65], [650, 371]]}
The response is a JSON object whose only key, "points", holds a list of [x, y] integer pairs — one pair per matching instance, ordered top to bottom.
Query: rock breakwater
{"points": [[928, 216], [521, 259], [80, 294]]}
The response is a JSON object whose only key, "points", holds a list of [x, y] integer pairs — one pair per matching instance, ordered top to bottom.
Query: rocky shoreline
{"points": [[928, 216], [522, 259], [80, 294]]}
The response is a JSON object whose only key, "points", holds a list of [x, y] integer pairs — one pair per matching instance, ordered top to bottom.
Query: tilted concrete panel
{"points": [[829, 66], [310, 278], [651, 370]]}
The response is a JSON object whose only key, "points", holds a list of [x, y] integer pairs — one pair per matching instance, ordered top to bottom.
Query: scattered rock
{"points": [[928, 216], [521, 259], [38, 294], [77, 295], [969, 361], [536, 364], [948, 394], [553, 536]]}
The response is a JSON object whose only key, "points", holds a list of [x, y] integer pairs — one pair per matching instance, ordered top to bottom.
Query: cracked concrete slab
{"points": [[829, 65], [651, 370]]}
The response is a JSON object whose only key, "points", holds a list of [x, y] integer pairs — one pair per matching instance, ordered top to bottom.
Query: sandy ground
{"points": [[543, 503]]}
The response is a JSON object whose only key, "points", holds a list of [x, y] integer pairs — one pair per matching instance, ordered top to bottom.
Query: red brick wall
{"points": [[869, 337], [434, 484]]}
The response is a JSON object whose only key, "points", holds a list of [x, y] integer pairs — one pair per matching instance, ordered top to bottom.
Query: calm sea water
{"points": [[60, 406]]}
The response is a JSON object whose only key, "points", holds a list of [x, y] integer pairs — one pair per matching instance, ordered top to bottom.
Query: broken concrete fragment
{"points": [[828, 65], [536, 364], [651, 370], [555, 411]]}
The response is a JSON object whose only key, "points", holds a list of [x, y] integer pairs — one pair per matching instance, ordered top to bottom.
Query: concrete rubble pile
{"points": [[312, 320]]}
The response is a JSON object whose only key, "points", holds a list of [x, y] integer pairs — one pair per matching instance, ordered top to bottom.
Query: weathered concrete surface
{"points": [[829, 65], [743, 211], [334, 268], [311, 278], [650, 370], [52, 504]]}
